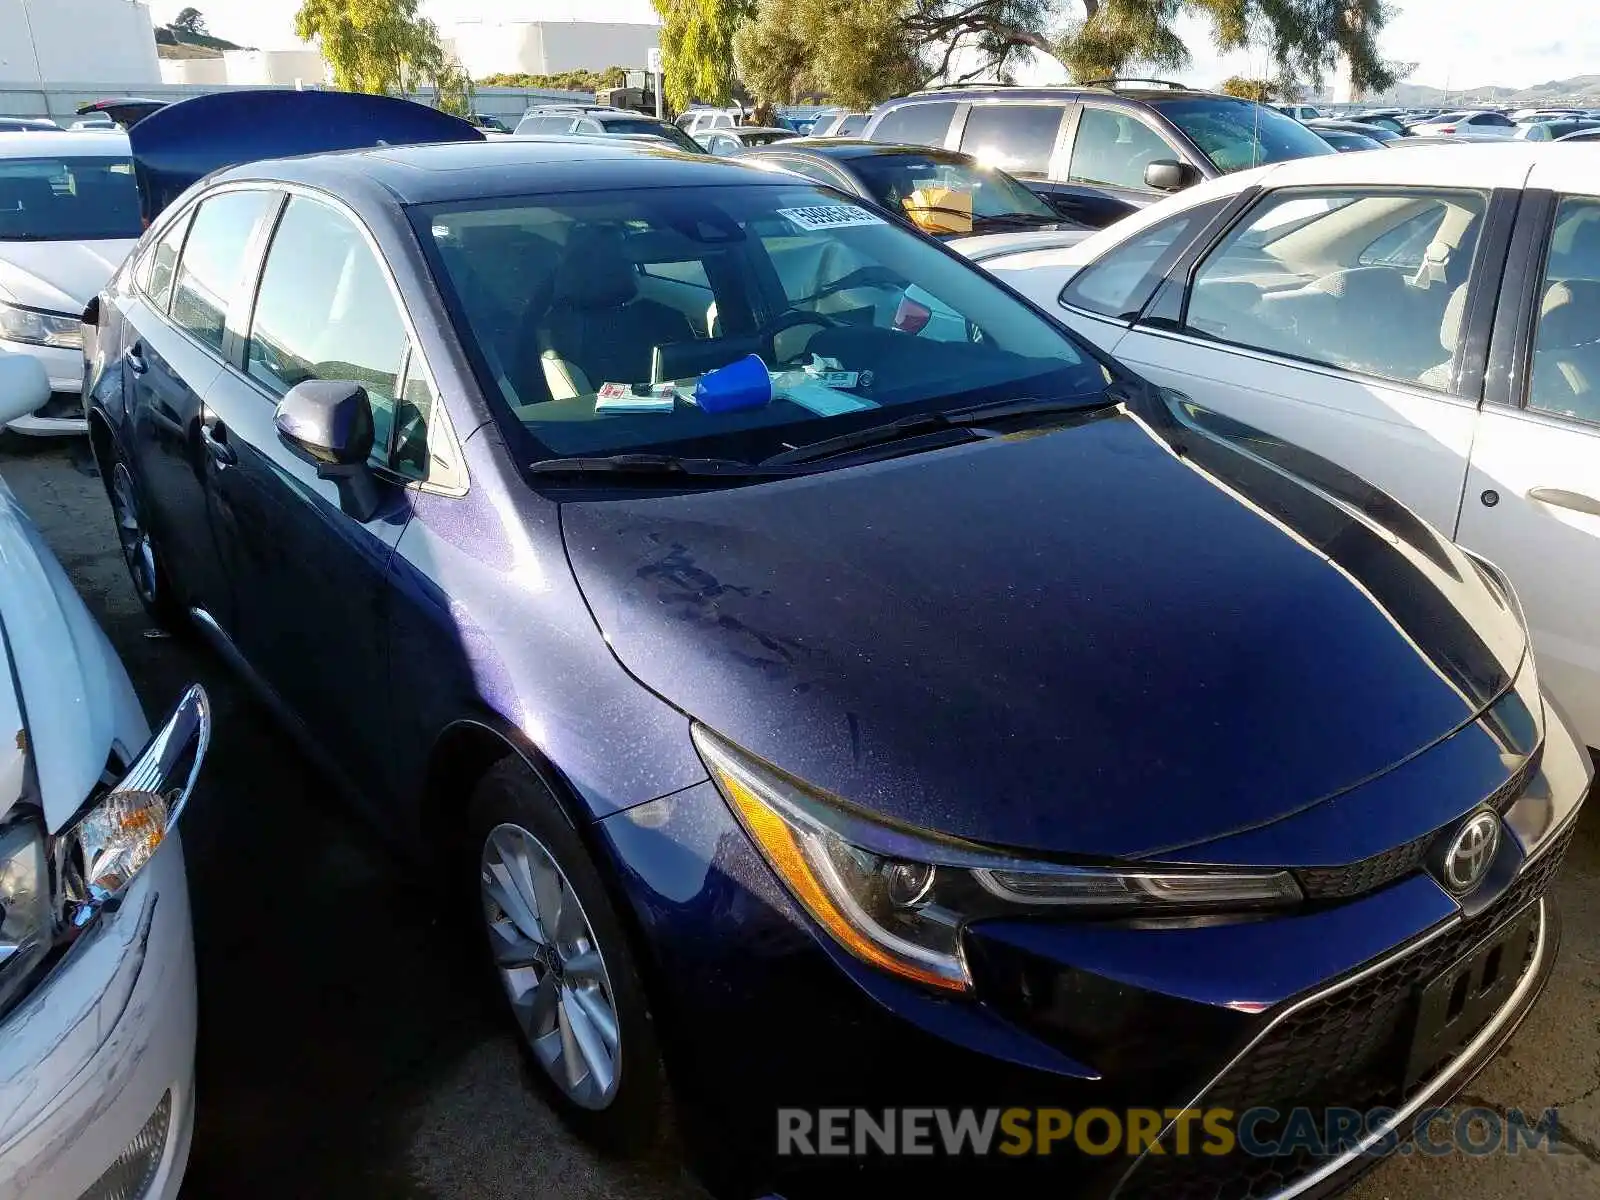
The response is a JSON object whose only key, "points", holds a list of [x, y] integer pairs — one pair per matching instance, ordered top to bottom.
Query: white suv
{"points": [[69, 215]]}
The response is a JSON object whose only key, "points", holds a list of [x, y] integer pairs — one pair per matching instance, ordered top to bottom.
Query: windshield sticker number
{"points": [[829, 216]]}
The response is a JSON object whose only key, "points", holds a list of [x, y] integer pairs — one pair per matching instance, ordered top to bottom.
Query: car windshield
{"points": [[661, 129], [1238, 134], [765, 137], [949, 193], [68, 199], [797, 315]]}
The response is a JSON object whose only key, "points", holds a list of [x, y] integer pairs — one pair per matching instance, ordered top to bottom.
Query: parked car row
{"points": [[764, 613]]}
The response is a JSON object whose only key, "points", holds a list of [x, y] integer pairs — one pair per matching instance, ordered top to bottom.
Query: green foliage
{"points": [[189, 20], [379, 46], [697, 51], [857, 52], [567, 81], [1262, 90]]}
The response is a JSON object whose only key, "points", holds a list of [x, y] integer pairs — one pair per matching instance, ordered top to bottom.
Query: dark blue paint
{"points": [[178, 144], [1117, 636]]}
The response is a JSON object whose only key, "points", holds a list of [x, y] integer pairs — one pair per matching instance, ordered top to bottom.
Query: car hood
{"points": [[989, 245], [59, 276], [1115, 638], [65, 700]]}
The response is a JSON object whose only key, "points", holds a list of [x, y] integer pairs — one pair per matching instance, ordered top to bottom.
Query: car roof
{"points": [[1142, 95], [46, 143], [1477, 164], [504, 167]]}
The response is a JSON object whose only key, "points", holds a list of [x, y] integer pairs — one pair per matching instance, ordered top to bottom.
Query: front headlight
{"points": [[39, 328], [117, 833], [899, 898], [27, 916]]}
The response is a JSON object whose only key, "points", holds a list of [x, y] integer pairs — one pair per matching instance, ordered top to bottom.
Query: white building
{"points": [[106, 41], [501, 47], [251, 68]]}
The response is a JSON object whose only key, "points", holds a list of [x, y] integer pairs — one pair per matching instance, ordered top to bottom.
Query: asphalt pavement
{"points": [[350, 1046]]}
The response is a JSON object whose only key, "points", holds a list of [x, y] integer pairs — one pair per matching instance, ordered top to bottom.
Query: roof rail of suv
{"points": [[1116, 80], [971, 83]]}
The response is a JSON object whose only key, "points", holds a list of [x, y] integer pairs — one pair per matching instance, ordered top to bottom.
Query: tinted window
{"points": [[1489, 119], [545, 124], [916, 124], [852, 125], [660, 129], [1236, 134], [1014, 137], [1114, 148], [68, 199], [213, 260], [162, 264], [1122, 280], [1300, 288], [325, 311], [910, 327], [1565, 378], [412, 415]]}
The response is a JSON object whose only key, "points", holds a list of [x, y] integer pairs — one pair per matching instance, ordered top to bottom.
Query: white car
{"points": [[1300, 112], [1473, 123], [69, 215], [1428, 320], [97, 979]]}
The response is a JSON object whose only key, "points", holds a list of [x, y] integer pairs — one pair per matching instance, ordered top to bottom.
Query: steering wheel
{"points": [[793, 318]]}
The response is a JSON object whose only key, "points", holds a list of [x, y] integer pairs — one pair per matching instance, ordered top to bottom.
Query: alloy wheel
{"points": [[137, 549], [551, 966]]}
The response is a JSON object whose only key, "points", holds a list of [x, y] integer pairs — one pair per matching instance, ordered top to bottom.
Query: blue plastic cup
{"points": [[737, 386]]}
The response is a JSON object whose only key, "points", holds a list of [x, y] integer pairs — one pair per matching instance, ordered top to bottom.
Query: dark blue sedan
{"points": [[839, 688]]}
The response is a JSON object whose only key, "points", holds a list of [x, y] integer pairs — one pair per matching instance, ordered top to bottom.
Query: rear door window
{"points": [[917, 124], [1019, 138], [213, 263], [162, 265]]}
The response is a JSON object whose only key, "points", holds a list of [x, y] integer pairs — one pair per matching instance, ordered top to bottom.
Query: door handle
{"points": [[134, 357], [214, 436], [1561, 498]]}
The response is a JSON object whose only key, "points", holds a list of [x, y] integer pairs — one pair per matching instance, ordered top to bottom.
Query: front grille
{"points": [[62, 406], [1380, 870], [1348, 1049]]}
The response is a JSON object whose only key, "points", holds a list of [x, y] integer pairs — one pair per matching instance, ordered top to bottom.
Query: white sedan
{"points": [[69, 215], [1428, 320], [97, 982]]}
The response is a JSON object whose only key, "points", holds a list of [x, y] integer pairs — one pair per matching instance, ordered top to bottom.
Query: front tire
{"points": [[565, 965]]}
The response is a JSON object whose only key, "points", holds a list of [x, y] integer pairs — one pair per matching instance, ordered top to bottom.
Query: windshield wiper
{"points": [[1025, 220], [969, 419], [668, 465]]}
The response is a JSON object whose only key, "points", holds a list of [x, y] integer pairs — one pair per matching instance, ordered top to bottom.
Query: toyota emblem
{"points": [[1467, 860]]}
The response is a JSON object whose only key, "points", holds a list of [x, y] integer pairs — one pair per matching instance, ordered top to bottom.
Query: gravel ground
{"points": [[348, 1048]]}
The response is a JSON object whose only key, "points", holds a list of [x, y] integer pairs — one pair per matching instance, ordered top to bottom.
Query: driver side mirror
{"points": [[1168, 175], [24, 387], [328, 423]]}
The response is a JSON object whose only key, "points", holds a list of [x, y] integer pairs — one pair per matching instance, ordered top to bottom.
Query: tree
{"points": [[189, 20], [962, 40], [384, 48], [697, 48], [853, 51], [1263, 90]]}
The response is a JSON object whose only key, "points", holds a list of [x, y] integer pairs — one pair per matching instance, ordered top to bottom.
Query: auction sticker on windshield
{"points": [[829, 216]]}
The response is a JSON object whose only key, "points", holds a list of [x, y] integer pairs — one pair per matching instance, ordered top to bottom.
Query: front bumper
{"points": [[59, 417], [1316, 1008], [100, 1046]]}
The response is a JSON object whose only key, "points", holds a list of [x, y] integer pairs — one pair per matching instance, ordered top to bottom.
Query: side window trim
{"points": [[257, 255], [1489, 264], [1158, 270], [1168, 307], [242, 312], [1514, 322]]}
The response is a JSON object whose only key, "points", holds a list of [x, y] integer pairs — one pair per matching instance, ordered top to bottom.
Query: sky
{"points": [[1458, 43]]}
